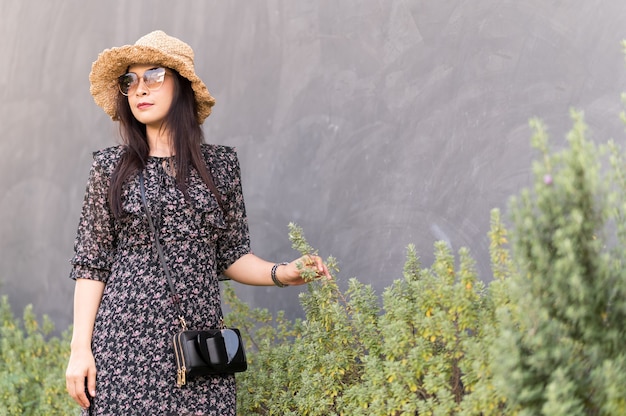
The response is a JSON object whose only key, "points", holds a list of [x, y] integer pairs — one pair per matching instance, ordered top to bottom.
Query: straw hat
{"points": [[154, 48]]}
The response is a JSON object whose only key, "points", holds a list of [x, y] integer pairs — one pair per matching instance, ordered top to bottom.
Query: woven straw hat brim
{"points": [[112, 63]]}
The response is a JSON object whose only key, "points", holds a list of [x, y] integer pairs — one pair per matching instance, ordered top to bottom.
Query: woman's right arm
{"points": [[94, 251], [82, 366]]}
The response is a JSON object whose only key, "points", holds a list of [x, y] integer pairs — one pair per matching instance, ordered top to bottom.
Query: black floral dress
{"points": [[136, 319]]}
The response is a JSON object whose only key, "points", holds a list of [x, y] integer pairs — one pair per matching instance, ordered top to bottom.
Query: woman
{"points": [[122, 360]]}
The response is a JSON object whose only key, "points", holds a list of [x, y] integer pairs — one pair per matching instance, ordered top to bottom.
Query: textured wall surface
{"points": [[372, 124]]}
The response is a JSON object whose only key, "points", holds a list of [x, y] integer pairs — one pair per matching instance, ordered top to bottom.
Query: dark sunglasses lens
{"points": [[126, 82]]}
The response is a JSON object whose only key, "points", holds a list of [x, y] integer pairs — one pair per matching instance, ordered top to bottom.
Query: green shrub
{"points": [[560, 349], [424, 352], [32, 365]]}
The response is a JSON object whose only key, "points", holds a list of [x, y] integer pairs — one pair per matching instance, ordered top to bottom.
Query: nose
{"points": [[142, 89]]}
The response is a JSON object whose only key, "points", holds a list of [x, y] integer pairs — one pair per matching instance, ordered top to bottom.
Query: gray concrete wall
{"points": [[372, 124]]}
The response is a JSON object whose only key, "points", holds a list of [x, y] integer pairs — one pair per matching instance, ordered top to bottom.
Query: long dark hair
{"points": [[186, 135]]}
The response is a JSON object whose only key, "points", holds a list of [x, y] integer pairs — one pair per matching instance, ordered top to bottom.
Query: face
{"points": [[149, 102]]}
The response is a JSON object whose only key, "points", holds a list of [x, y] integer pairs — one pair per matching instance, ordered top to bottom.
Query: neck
{"points": [[159, 142]]}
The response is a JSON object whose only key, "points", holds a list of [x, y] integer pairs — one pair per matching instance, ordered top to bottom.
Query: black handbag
{"points": [[198, 352], [204, 352]]}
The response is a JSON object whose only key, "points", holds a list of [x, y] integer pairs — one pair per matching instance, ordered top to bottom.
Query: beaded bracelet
{"points": [[273, 274]]}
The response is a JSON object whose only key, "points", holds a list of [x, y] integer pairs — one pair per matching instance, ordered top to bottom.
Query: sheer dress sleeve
{"points": [[95, 239], [234, 241]]}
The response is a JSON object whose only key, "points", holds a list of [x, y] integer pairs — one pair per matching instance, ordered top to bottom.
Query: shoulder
{"points": [[215, 152], [108, 158], [220, 158], [223, 164]]}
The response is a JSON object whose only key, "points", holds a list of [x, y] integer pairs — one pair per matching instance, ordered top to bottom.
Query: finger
{"points": [[309, 260], [312, 261], [319, 264], [327, 273], [91, 382], [70, 385], [76, 389], [83, 400]]}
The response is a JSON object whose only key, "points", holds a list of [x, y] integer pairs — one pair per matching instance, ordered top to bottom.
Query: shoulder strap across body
{"points": [[159, 248]]}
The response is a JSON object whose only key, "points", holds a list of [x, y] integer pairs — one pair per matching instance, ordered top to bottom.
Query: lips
{"points": [[143, 106]]}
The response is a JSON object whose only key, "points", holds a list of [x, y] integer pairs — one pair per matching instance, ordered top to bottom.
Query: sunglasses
{"points": [[152, 79]]}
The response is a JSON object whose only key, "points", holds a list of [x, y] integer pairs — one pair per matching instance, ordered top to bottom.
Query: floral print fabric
{"points": [[132, 338]]}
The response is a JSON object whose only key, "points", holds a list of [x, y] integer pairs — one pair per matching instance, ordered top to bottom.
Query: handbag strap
{"points": [[159, 248]]}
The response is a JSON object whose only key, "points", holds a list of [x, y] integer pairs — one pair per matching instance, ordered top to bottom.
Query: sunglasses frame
{"points": [[150, 77]]}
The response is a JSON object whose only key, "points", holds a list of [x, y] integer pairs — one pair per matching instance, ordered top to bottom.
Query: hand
{"points": [[291, 275], [81, 367]]}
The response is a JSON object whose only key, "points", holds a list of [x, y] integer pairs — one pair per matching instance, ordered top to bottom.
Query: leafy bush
{"points": [[560, 350], [425, 352], [32, 365]]}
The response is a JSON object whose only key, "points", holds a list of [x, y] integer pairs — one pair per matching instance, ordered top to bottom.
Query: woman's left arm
{"points": [[234, 258], [252, 270]]}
